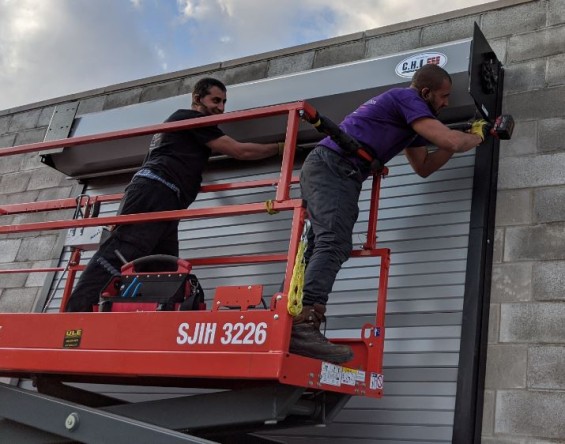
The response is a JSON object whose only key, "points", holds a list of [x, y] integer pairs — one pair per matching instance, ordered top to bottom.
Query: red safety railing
{"points": [[280, 202]]}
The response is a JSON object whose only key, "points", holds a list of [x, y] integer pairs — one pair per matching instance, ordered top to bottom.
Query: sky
{"points": [[51, 48]]}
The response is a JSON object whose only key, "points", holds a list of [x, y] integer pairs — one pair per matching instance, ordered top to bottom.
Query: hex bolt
{"points": [[276, 317], [72, 421]]}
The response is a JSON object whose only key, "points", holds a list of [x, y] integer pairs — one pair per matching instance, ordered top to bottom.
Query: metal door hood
{"points": [[335, 91]]}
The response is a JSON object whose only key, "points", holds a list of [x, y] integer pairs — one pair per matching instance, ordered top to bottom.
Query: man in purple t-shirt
{"points": [[331, 180]]}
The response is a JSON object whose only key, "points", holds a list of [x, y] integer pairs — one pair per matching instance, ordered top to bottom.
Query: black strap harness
{"points": [[347, 143]]}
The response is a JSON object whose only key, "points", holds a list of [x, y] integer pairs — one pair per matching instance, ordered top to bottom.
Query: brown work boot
{"points": [[307, 340]]}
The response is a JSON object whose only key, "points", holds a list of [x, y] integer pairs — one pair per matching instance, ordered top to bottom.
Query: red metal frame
{"points": [[65, 204], [211, 344]]}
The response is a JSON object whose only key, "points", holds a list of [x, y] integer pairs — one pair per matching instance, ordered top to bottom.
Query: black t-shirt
{"points": [[180, 157]]}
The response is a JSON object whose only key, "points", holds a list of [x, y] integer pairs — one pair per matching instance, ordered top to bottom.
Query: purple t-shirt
{"points": [[382, 124]]}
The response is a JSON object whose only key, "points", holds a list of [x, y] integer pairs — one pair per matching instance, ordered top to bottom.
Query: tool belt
{"points": [[347, 143]]}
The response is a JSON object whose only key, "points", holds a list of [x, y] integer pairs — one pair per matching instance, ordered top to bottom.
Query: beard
{"points": [[434, 111]]}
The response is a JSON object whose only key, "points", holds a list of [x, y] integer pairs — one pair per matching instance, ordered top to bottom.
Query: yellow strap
{"points": [[270, 206], [297, 282], [295, 293]]}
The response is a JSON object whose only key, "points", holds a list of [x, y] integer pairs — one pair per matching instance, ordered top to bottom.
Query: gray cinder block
{"points": [[532, 323], [546, 367], [531, 413]]}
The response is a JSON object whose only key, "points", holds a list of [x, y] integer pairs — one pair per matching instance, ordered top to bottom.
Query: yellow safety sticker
{"points": [[72, 338]]}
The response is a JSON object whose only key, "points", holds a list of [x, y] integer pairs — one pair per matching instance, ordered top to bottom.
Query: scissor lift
{"points": [[238, 346]]}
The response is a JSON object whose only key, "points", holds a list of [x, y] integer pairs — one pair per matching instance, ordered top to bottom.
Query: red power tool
{"points": [[502, 128]]}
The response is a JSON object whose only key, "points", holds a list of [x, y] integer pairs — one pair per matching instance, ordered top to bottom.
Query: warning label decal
{"points": [[72, 338]]}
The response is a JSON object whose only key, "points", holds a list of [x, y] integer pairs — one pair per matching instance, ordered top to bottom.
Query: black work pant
{"points": [[132, 241]]}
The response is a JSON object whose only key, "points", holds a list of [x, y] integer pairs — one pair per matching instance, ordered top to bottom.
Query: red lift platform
{"points": [[237, 346]]}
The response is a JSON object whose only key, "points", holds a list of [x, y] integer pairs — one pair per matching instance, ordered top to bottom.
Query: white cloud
{"points": [[197, 9], [22, 26], [219, 30], [48, 51], [162, 54]]}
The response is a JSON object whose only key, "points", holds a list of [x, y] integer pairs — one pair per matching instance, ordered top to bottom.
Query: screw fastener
{"points": [[72, 421]]}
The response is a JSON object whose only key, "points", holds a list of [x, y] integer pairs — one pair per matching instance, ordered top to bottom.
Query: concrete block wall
{"points": [[23, 178], [525, 382], [525, 388]]}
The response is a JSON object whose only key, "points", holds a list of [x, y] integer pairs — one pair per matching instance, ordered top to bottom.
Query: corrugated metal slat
{"points": [[426, 225]]}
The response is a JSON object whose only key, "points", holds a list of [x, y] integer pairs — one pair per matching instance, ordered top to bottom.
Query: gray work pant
{"points": [[330, 185]]}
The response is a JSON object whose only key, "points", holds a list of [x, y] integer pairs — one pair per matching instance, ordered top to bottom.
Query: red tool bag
{"points": [[153, 283]]}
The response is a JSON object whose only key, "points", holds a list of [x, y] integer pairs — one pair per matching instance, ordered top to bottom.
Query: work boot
{"points": [[307, 340]]}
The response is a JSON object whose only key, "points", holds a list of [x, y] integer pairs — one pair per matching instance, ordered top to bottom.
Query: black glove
{"points": [[299, 148], [304, 148]]}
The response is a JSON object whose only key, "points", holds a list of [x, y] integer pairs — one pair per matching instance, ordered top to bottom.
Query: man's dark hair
{"points": [[430, 76], [203, 86]]}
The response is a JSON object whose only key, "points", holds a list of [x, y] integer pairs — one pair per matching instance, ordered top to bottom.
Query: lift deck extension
{"points": [[234, 344], [238, 347], [242, 351]]}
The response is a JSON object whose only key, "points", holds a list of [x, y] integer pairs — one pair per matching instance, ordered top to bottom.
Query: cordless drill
{"points": [[502, 128]]}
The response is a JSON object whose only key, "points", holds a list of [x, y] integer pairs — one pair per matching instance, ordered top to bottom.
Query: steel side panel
{"points": [[312, 85], [141, 331], [102, 344], [134, 344], [154, 344], [142, 363], [54, 416]]}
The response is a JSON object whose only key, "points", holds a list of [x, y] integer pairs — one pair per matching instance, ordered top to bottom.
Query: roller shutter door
{"points": [[425, 223]]}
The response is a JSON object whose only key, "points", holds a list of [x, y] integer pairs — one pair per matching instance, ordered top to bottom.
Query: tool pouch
{"points": [[153, 283]]}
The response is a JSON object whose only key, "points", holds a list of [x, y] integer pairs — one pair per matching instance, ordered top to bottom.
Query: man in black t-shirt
{"points": [[169, 179]]}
